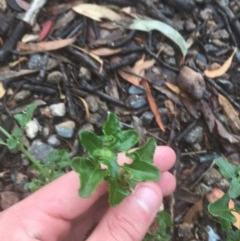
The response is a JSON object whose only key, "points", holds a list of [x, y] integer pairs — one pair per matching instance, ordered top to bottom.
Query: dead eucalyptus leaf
{"points": [[96, 12], [148, 25], [31, 48], [221, 70], [2, 90], [153, 105], [231, 113]]}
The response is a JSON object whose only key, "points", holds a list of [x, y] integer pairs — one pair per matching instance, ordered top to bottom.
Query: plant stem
{"points": [[5, 132], [37, 165]]}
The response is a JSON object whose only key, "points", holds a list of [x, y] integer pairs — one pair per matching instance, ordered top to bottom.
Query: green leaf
{"points": [[148, 25], [26, 116], [112, 126], [17, 133], [125, 140], [90, 141], [3, 142], [13, 144], [146, 152], [109, 159], [227, 169], [141, 171], [90, 175], [234, 190], [117, 192], [220, 209]]}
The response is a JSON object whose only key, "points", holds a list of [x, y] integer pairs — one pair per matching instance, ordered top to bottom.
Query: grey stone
{"points": [[58, 109], [65, 129], [40, 150]]}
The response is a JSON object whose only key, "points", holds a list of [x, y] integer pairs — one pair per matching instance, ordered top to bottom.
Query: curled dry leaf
{"points": [[96, 12], [31, 48], [221, 70], [191, 82], [153, 105], [231, 113], [217, 193]]}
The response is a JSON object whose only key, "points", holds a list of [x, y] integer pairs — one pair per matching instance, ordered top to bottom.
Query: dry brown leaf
{"points": [[23, 4], [96, 12], [43, 46], [105, 51], [141, 65], [222, 69], [126, 75], [2, 90], [153, 105], [171, 107], [231, 113], [212, 122], [217, 193], [194, 212]]}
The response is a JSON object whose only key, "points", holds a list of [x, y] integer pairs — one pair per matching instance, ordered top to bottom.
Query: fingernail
{"points": [[148, 199]]}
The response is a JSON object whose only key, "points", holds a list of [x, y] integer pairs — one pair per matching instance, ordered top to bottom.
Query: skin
{"points": [[57, 213]]}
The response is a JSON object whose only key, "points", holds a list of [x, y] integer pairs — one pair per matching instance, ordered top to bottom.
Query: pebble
{"points": [[206, 14], [190, 25], [220, 34], [35, 61], [84, 73], [55, 77], [191, 82], [134, 90], [22, 95], [136, 101], [92, 103], [58, 110], [147, 118], [87, 127], [32, 128], [65, 129], [194, 136], [53, 141], [40, 150], [8, 198]]}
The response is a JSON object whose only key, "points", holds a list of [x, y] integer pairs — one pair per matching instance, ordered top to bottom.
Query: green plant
{"points": [[101, 163], [47, 170], [220, 208], [163, 222]]}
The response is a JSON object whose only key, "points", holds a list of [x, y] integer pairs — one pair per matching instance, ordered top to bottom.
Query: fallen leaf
{"points": [[23, 4], [96, 12], [148, 25], [46, 28], [31, 48], [105, 51], [221, 70], [125, 73], [2, 90], [152, 104], [231, 113], [212, 122], [217, 193], [194, 212]]}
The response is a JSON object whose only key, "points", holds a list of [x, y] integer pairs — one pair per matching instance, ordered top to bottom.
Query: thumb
{"points": [[130, 220]]}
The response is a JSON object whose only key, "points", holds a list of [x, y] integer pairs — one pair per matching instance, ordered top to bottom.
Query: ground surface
{"points": [[134, 74]]}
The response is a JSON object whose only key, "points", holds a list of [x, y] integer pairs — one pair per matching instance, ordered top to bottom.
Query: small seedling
{"points": [[101, 161], [50, 168], [220, 208]]}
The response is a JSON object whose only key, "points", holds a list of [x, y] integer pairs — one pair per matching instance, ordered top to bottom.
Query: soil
{"points": [[140, 75]]}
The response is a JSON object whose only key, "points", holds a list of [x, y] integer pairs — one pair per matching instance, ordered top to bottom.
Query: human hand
{"points": [[57, 213]]}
